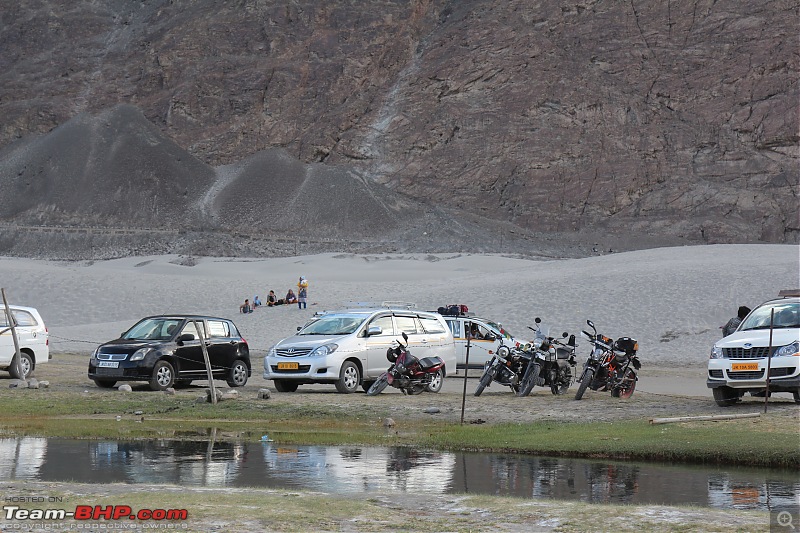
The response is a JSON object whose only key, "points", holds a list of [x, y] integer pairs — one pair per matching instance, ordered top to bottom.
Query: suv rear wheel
{"points": [[27, 366], [349, 378]]}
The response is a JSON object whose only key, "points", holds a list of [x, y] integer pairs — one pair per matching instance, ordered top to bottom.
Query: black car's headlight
{"points": [[140, 354]]}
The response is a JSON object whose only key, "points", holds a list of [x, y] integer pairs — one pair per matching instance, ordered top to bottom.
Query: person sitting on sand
{"points": [[291, 298], [272, 299], [256, 301], [246, 307]]}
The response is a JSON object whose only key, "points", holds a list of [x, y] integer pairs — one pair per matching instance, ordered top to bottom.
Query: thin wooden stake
{"points": [[13, 326], [201, 330], [769, 356], [466, 371]]}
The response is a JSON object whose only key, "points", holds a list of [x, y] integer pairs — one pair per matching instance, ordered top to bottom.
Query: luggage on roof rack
{"points": [[453, 310]]}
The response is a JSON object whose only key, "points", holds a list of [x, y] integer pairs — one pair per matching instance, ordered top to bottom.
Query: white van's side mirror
{"points": [[374, 330]]}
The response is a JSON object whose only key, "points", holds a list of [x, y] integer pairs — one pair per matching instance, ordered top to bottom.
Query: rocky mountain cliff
{"points": [[655, 122]]}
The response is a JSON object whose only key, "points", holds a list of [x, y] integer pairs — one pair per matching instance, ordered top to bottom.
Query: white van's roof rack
{"points": [[396, 304]]}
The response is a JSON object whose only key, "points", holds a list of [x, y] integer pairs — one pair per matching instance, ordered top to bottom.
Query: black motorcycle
{"points": [[552, 362], [612, 365], [506, 367]]}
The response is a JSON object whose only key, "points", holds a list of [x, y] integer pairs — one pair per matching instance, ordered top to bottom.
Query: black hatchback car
{"points": [[166, 351]]}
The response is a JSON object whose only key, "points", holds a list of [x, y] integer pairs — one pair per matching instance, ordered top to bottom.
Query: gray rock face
{"points": [[674, 120]]}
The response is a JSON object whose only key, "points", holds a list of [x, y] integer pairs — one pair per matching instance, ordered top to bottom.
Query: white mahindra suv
{"points": [[34, 341], [348, 348], [738, 362]]}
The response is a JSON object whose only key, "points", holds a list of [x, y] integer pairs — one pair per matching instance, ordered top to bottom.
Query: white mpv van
{"points": [[34, 341], [348, 348]]}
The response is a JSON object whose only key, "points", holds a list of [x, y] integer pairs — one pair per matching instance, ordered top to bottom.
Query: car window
{"points": [[787, 315], [23, 318], [385, 323], [408, 324], [333, 325], [431, 325], [218, 328], [455, 328], [153, 329], [191, 329], [498, 329]]}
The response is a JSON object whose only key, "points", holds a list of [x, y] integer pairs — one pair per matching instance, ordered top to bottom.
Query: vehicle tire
{"points": [[27, 366], [237, 375], [163, 376], [349, 378], [486, 378], [530, 379], [437, 380], [562, 381], [585, 381], [104, 383], [182, 383], [282, 385], [365, 385], [626, 385], [378, 386], [725, 396], [796, 396]]}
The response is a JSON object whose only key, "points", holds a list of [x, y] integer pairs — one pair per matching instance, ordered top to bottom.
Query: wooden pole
{"points": [[198, 324], [13, 325], [769, 356], [466, 371], [700, 418]]}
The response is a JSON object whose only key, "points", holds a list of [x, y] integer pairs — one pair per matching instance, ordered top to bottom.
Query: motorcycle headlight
{"points": [[537, 343], [325, 349], [789, 349], [503, 352], [597, 353], [716, 353], [139, 354]]}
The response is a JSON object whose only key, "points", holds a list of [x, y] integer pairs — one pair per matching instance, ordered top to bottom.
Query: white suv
{"points": [[34, 341], [348, 348], [738, 362]]}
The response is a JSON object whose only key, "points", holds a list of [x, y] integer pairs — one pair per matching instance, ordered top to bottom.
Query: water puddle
{"points": [[365, 469]]}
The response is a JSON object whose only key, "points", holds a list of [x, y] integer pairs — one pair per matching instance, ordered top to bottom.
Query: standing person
{"points": [[302, 293], [734, 322]]}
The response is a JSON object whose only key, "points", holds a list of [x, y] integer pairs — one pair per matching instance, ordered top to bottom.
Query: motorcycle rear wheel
{"points": [[486, 378], [530, 379], [437, 380], [562, 381], [585, 381], [626, 385], [378, 386], [413, 390]]}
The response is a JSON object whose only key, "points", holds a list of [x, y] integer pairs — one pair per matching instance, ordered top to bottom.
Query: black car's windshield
{"points": [[787, 315], [333, 325], [153, 329]]}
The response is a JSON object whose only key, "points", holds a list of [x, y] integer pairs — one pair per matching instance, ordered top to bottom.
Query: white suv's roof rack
{"points": [[788, 293], [388, 304], [398, 304]]}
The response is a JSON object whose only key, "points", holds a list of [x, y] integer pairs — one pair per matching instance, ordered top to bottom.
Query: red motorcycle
{"points": [[409, 374]]}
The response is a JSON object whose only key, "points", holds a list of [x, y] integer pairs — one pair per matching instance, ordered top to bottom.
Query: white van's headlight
{"points": [[325, 349], [789, 349], [271, 351], [716, 352], [139, 354]]}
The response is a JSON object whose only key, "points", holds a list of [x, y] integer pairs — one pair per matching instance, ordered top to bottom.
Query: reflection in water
{"points": [[357, 469]]}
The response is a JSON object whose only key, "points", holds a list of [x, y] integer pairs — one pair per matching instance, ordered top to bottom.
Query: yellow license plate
{"points": [[287, 366], [738, 367]]}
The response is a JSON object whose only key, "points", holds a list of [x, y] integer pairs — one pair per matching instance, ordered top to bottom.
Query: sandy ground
{"points": [[673, 300]]}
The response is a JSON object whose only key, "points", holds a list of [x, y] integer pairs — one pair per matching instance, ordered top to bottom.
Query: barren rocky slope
{"points": [[675, 121]]}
